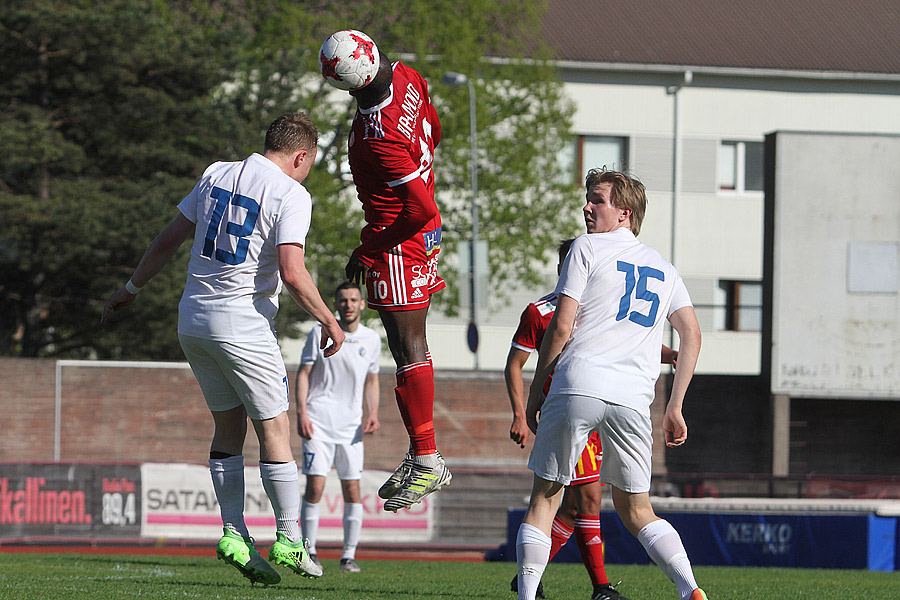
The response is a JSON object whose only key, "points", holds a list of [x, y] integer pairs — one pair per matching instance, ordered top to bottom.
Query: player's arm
{"points": [[418, 210], [157, 255], [302, 288], [684, 321], [558, 332], [668, 356], [515, 389], [301, 392], [371, 400]]}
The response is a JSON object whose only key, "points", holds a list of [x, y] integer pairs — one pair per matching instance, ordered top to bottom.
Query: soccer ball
{"points": [[349, 59]]}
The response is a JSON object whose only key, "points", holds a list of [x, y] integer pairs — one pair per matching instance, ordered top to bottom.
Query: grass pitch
{"points": [[24, 576]]}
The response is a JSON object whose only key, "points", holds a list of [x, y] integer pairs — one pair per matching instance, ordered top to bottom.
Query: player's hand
{"points": [[356, 271], [119, 300], [331, 331], [532, 408], [372, 425], [304, 426], [675, 428], [518, 431]]}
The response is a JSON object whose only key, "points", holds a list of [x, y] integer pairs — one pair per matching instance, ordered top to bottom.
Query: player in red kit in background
{"points": [[391, 150]]}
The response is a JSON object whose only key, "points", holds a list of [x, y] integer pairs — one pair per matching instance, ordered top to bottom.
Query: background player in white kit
{"points": [[391, 150], [249, 221], [617, 290], [330, 394]]}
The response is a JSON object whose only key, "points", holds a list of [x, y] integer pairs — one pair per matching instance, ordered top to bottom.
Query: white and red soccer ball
{"points": [[349, 59]]}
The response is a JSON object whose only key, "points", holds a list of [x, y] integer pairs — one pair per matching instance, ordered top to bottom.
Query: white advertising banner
{"points": [[179, 503]]}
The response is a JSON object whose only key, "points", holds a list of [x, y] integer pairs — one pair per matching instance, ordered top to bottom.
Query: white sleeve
{"points": [[188, 206], [293, 220], [575, 269], [680, 296], [311, 347], [375, 365]]}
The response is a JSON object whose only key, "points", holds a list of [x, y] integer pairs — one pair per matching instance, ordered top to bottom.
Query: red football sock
{"points": [[415, 398], [587, 534], [559, 535]]}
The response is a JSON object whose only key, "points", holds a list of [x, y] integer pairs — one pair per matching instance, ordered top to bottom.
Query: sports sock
{"points": [[415, 398], [228, 483], [282, 485], [353, 514], [309, 521], [560, 533], [587, 534], [664, 546], [532, 554]]}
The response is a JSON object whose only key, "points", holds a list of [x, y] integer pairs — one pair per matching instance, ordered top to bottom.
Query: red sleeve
{"points": [[419, 207], [530, 333]]}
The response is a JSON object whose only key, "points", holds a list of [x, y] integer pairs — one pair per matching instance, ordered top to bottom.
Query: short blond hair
{"points": [[291, 132], [627, 192]]}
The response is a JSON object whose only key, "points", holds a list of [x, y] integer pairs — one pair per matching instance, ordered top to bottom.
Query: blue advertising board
{"points": [[839, 541]]}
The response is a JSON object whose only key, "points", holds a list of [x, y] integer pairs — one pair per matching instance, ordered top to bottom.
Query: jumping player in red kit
{"points": [[391, 150]]}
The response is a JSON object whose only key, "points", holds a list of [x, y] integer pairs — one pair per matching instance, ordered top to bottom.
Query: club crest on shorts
{"points": [[432, 241]]}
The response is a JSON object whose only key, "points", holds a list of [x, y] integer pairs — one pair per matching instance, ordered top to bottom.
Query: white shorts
{"points": [[251, 374], [565, 425], [347, 459]]}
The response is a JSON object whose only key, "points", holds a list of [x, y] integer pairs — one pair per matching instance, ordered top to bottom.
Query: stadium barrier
{"points": [[128, 503], [828, 534]]}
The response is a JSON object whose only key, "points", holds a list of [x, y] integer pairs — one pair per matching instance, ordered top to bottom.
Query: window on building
{"points": [[594, 151], [740, 166], [739, 305]]}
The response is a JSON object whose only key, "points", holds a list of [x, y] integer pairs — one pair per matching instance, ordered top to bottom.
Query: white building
{"points": [[699, 83]]}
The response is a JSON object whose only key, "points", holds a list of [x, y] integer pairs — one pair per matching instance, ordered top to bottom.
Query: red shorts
{"points": [[405, 277], [587, 469]]}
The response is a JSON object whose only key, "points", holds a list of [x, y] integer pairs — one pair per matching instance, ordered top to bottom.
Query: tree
{"points": [[95, 102], [110, 111], [522, 115]]}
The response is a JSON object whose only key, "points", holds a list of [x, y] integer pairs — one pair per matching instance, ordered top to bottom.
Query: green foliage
{"points": [[109, 111], [107, 114]]}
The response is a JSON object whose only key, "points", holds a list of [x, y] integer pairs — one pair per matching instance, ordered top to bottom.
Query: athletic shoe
{"points": [[420, 482], [393, 483], [240, 552], [294, 556], [315, 560], [349, 565], [514, 587], [606, 592], [698, 595]]}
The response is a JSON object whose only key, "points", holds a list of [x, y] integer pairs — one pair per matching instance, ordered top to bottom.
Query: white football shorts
{"points": [[249, 373], [566, 422], [347, 459]]}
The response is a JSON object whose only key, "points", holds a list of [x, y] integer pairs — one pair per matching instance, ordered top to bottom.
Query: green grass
{"points": [[101, 576]]}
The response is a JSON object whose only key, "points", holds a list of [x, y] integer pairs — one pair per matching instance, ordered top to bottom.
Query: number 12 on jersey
{"points": [[223, 197], [637, 286]]}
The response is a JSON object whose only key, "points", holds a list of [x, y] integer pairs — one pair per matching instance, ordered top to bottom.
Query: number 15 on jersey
{"points": [[637, 286]]}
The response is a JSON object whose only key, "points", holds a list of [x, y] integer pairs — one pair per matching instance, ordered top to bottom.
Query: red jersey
{"points": [[391, 151], [533, 323]]}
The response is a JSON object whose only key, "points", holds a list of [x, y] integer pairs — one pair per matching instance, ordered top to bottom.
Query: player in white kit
{"points": [[249, 221], [604, 340], [330, 394]]}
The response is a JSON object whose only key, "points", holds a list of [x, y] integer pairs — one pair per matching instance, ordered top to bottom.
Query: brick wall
{"points": [[158, 415]]}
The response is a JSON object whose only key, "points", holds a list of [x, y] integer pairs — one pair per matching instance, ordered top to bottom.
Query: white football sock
{"points": [[228, 482], [282, 485], [353, 515], [309, 520], [664, 546], [533, 554]]}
